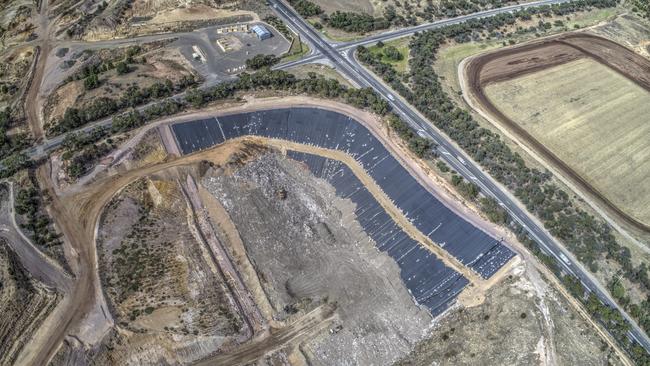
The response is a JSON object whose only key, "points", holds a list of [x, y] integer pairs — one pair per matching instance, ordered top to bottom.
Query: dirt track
{"points": [[532, 57], [77, 210], [78, 213]]}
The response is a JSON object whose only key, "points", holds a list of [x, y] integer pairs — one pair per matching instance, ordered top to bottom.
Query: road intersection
{"points": [[341, 57]]}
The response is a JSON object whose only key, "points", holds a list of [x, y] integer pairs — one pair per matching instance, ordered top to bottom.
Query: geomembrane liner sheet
{"points": [[333, 130]]}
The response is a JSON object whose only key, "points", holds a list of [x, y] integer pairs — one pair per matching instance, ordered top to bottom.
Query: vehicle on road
{"points": [[565, 259]]}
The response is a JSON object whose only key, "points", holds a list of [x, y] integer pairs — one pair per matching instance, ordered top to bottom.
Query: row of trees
{"points": [[306, 8], [348, 21], [355, 22], [363, 23], [261, 61], [282, 80], [75, 117], [9, 144], [422, 147], [82, 150], [29, 202], [589, 238]]}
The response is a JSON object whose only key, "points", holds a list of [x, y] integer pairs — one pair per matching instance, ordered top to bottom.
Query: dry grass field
{"points": [[362, 6], [592, 118]]}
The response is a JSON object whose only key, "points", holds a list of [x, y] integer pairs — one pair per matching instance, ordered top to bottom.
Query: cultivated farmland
{"points": [[581, 102], [598, 125]]}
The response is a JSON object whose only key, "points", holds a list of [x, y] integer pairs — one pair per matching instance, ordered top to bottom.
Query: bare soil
{"points": [[144, 17], [532, 57], [160, 64], [14, 66], [309, 251], [174, 294], [24, 304], [521, 322]]}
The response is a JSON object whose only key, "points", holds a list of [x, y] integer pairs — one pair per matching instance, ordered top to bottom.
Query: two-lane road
{"points": [[400, 33], [342, 57]]}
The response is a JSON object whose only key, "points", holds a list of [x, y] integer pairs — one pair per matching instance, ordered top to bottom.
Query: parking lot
{"points": [[239, 46]]}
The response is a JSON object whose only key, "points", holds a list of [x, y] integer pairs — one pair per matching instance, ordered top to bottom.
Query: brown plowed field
{"points": [[511, 63]]}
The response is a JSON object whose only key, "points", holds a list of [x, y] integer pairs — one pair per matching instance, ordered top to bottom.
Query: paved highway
{"points": [[405, 32], [341, 56]]}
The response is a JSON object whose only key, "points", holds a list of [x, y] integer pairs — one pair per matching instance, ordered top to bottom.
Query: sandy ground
{"points": [[198, 12], [497, 65], [475, 105], [78, 213], [309, 250], [523, 321]]}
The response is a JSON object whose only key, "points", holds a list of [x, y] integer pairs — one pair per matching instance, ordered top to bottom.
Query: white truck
{"points": [[198, 54], [564, 258]]}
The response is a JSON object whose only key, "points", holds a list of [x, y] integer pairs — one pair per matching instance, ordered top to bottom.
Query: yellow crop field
{"points": [[592, 118]]}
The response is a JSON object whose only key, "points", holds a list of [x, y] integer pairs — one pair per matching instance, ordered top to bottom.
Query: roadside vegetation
{"points": [[642, 7], [397, 14], [298, 48], [394, 53], [260, 61], [112, 82], [133, 96], [10, 144], [81, 151], [29, 204], [32, 217], [587, 237]]}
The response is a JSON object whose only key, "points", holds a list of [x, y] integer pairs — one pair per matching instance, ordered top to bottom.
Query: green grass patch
{"points": [[593, 17], [402, 46], [297, 50], [449, 57]]}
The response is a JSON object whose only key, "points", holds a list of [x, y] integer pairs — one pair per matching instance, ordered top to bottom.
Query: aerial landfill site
{"points": [[336, 182]]}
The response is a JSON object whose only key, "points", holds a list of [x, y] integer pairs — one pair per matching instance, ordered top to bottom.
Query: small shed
{"points": [[261, 32]]}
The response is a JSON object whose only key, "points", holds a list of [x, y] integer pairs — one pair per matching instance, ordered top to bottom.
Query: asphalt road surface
{"points": [[342, 57], [32, 259]]}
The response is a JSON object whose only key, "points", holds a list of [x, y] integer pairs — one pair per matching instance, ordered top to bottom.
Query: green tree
{"points": [[392, 53], [260, 61], [122, 68], [91, 81]]}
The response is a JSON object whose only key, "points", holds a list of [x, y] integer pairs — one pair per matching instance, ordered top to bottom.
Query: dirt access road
{"points": [[44, 46], [510, 63], [77, 212], [77, 215], [37, 264]]}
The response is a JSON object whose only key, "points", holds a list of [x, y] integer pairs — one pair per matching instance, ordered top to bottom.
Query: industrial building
{"points": [[233, 28], [261, 32]]}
